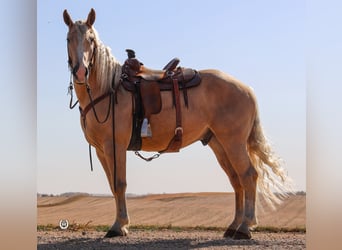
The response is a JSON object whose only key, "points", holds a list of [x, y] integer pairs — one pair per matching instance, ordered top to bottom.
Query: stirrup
{"points": [[146, 129]]}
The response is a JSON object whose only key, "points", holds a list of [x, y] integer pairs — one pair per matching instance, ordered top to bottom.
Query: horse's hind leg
{"points": [[239, 158], [223, 160]]}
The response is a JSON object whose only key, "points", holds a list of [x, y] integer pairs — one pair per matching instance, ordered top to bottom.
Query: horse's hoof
{"points": [[113, 233], [229, 233], [242, 236]]}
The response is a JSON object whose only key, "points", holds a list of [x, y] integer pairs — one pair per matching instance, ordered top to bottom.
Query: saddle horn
{"points": [[130, 53]]}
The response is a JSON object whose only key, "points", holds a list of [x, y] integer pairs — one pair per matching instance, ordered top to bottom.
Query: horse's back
{"points": [[214, 80], [220, 102]]}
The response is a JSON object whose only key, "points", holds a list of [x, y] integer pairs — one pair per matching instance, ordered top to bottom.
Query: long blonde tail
{"points": [[273, 185]]}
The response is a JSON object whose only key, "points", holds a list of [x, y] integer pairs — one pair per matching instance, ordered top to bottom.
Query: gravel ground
{"points": [[166, 239]]}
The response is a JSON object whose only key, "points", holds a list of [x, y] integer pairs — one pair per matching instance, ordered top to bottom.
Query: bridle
{"points": [[90, 65], [73, 71]]}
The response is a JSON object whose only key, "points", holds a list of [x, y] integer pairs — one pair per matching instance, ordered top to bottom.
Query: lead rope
{"points": [[113, 101]]}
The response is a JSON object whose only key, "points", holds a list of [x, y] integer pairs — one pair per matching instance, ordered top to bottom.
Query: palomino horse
{"points": [[220, 104]]}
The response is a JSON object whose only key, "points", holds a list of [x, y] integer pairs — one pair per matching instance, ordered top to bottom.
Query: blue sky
{"points": [[262, 43]]}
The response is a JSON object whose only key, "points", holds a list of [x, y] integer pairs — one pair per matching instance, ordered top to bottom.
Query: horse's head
{"points": [[81, 42]]}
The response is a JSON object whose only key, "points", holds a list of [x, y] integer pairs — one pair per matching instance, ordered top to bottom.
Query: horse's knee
{"points": [[236, 184], [120, 186]]}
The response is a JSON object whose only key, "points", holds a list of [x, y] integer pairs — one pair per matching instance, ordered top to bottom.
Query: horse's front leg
{"points": [[118, 187], [120, 227]]}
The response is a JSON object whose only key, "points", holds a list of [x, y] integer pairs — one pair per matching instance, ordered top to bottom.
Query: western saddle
{"points": [[145, 84]]}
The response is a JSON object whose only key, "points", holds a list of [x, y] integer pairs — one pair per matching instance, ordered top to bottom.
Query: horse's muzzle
{"points": [[80, 73]]}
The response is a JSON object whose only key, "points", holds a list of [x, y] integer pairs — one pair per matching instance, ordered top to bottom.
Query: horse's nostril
{"points": [[75, 69]]}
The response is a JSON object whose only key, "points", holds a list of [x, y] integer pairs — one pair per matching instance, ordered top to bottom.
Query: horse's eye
{"points": [[68, 40]]}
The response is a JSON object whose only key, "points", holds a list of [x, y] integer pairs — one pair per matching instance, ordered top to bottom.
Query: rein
{"points": [[92, 103], [91, 106]]}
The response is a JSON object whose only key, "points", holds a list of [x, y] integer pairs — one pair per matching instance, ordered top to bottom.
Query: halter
{"points": [[90, 65]]}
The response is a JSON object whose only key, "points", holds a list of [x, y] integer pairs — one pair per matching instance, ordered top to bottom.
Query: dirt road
{"points": [[166, 239]]}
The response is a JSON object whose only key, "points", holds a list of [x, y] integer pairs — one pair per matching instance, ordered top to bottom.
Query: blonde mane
{"points": [[105, 65]]}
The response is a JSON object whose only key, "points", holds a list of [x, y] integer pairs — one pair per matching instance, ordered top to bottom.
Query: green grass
{"points": [[104, 228]]}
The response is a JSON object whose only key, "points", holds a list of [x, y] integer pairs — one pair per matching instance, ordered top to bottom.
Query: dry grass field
{"points": [[196, 211]]}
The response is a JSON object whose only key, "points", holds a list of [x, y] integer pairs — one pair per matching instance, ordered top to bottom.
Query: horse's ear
{"points": [[91, 17], [67, 19]]}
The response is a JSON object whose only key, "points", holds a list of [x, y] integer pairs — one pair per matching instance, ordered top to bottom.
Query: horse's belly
{"points": [[163, 128]]}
